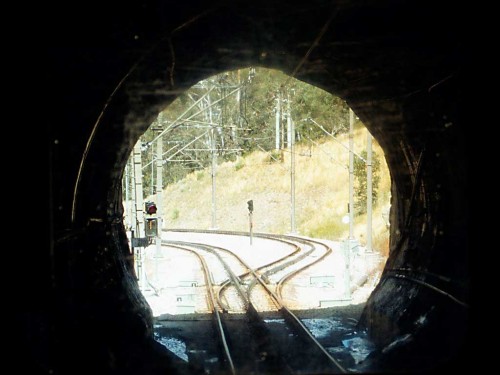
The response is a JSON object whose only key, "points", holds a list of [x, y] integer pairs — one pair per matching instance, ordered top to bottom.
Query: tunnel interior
{"points": [[398, 65]]}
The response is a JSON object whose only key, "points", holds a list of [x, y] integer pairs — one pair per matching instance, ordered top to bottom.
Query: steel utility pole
{"points": [[278, 120], [234, 130], [282, 130], [291, 132], [214, 165], [152, 169], [159, 172], [351, 174], [369, 187], [159, 188], [369, 192], [128, 210], [139, 211], [133, 212]]}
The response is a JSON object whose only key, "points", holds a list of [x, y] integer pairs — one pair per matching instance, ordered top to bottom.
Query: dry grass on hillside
{"points": [[321, 194]]}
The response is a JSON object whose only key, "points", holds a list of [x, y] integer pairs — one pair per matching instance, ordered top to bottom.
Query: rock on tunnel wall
{"points": [[397, 64]]}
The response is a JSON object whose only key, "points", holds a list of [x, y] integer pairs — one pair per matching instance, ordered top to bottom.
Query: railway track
{"points": [[278, 271], [301, 352], [255, 354], [227, 358]]}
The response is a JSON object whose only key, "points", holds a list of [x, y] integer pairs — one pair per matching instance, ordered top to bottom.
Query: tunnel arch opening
{"points": [[410, 103], [263, 127], [261, 144]]}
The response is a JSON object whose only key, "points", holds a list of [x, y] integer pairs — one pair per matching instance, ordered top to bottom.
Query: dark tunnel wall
{"points": [[399, 65]]}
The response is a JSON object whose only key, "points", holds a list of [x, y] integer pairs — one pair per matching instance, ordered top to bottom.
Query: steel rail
{"points": [[232, 276], [281, 282], [227, 283], [215, 311], [288, 314]]}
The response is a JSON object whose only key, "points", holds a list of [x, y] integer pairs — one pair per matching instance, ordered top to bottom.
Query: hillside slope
{"points": [[321, 186]]}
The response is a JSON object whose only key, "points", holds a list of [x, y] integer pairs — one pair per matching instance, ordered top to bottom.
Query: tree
{"points": [[236, 108], [360, 185]]}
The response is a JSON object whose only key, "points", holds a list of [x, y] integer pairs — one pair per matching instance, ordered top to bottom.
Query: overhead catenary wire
{"points": [[179, 118], [176, 123], [336, 140], [332, 159]]}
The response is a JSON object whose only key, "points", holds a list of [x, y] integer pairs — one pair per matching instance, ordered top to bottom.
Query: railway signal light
{"points": [[250, 206], [150, 208], [151, 227]]}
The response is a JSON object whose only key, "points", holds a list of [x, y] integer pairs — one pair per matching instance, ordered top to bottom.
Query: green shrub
{"points": [[276, 156], [239, 164], [331, 228]]}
